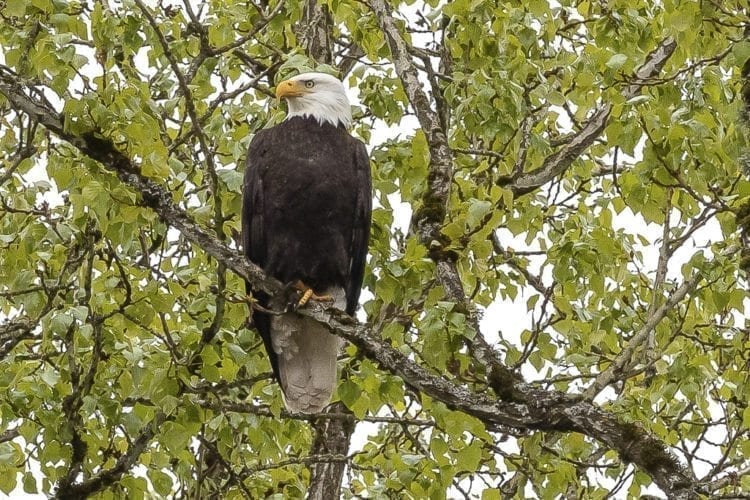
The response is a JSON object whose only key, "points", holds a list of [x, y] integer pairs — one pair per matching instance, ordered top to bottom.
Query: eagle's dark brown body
{"points": [[306, 216]]}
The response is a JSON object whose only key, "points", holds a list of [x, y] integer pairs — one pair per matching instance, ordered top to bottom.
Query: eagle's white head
{"points": [[318, 95]]}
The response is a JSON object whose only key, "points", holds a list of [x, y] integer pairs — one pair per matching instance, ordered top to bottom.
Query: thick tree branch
{"points": [[314, 32], [430, 216], [332, 436]]}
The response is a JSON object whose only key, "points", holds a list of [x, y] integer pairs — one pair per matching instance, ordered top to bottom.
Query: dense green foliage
{"points": [[125, 352]]}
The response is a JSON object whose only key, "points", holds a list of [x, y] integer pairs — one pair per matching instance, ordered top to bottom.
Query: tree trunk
{"points": [[332, 436]]}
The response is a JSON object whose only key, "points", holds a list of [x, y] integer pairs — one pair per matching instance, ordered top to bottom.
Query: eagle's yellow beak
{"points": [[290, 88]]}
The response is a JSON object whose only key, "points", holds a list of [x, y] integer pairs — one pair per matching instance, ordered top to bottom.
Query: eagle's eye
{"points": [[309, 84]]}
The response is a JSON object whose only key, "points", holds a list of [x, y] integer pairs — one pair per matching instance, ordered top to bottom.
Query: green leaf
{"points": [[15, 8], [617, 61], [477, 210], [349, 392], [468, 458], [8, 481], [161, 482], [29, 483], [491, 494]]}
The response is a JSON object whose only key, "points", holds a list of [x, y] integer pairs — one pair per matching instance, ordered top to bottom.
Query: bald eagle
{"points": [[306, 221]]}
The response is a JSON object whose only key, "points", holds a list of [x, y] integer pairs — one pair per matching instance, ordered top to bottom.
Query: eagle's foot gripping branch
{"points": [[308, 294]]}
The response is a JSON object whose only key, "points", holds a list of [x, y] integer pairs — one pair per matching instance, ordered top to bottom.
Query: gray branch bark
{"points": [[314, 32], [332, 437]]}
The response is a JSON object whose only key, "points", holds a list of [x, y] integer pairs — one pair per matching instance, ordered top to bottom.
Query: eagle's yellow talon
{"points": [[308, 294], [305, 297]]}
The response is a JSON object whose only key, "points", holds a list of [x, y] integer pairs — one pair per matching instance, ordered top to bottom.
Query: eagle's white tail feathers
{"points": [[307, 355]]}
